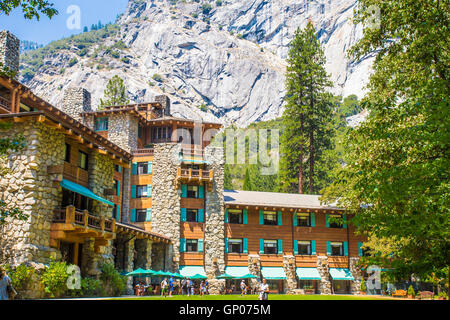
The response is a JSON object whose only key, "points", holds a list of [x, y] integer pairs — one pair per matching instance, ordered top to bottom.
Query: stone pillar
{"points": [[9, 52], [75, 101], [165, 103], [123, 131], [126, 195], [166, 199], [214, 226], [144, 253], [158, 256], [89, 260], [129, 263], [254, 266], [322, 267], [355, 270], [291, 277]]}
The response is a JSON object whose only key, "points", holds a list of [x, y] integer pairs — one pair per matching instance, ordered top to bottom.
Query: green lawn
{"points": [[255, 297]]}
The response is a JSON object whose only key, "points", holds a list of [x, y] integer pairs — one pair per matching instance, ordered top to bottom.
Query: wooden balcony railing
{"points": [[5, 103], [145, 151], [76, 174], [194, 174], [70, 215]]}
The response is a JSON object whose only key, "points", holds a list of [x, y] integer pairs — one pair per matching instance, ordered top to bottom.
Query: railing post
{"points": [[179, 172], [190, 173], [200, 174], [70, 214], [86, 217], [102, 223], [113, 225]]}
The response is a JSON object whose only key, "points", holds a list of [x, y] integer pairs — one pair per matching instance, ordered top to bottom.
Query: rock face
{"points": [[225, 64]]}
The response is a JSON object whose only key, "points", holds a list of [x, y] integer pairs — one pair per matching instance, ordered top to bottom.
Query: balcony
{"points": [[5, 104], [143, 152], [194, 175], [73, 225]]}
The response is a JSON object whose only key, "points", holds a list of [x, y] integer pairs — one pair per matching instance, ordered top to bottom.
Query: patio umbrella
{"points": [[137, 272], [177, 275], [198, 276], [225, 276], [248, 276]]}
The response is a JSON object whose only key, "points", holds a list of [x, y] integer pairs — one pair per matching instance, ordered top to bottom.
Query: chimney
{"points": [[9, 52], [76, 100], [165, 103]]}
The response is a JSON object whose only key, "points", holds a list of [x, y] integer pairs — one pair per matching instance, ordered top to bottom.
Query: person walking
{"points": [[5, 281], [164, 285], [171, 286], [183, 286], [188, 286], [202, 286], [206, 286], [243, 287], [264, 290]]}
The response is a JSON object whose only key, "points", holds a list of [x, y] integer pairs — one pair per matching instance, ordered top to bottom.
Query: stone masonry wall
{"points": [[9, 51], [76, 100], [123, 131], [30, 188], [166, 196], [254, 266], [322, 268], [355, 270], [291, 277]]}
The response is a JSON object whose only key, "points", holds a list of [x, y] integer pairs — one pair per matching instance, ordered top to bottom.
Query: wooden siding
{"points": [[71, 170]]}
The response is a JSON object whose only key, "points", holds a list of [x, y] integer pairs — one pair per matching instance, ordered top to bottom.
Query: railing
{"points": [[6, 104], [145, 151], [76, 174], [195, 174], [70, 215]]}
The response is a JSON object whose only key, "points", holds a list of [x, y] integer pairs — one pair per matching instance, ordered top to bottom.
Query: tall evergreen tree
{"points": [[115, 93], [307, 131], [247, 183]]}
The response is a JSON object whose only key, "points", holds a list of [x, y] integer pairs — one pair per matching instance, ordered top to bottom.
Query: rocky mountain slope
{"points": [[218, 60]]}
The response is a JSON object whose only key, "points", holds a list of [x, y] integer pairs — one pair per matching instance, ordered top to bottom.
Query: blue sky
{"points": [[46, 30]]}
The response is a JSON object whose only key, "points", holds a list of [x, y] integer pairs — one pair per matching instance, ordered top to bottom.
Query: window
{"points": [[101, 124], [67, 152], [83, 160], [116, 168], [142, 168], [116, 187], [141, 191], [192, 192], [141, 215], [191, 215], [234, 216], [270, 218], [303, 220], [335, 221], [191, 245], [235, 245], [270, 246], [304, 247], [337, 248]]}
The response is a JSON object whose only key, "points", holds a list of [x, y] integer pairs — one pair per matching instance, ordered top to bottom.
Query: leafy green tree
{"points": [[30, 8], [115, 93], [307, 128], [228, 179], [396, 179]]}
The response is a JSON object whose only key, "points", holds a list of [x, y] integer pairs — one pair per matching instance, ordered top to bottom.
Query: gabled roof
{"points": [[275, 199]]}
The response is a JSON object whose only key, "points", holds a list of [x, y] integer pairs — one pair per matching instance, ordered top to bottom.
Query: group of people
{"points": [[168, 287], [263, 289]]}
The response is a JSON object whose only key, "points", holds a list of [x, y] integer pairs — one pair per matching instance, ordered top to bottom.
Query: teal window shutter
{"points": [[134, 166], [150, 167], [119, 168], [118, 188], [149, 190], [184, 190], [201, 191], [133, 192], [118, 213], [183, 214], [133, 215], [200, 215], [226, 216], [244, 216], [148, 217], [261, 217], [344, 218], [294, 219], [313, 219], [280, 220], [327, 223], [182, 244], [200, 245], [226, 245], [245, 245], [261, 245], [280, 246], [295, 246], [313, 247], [328, 248], [345, 248], [360, 253]]}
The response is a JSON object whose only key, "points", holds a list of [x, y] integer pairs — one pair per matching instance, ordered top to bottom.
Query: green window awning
{"points": [[194, 161], [72, 186], [189, 271], [237, 271], [273, 273], [308, 274], [341, 274]]}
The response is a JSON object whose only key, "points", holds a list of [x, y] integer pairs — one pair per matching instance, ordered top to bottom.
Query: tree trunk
{"points": [[311, 161], [300, 173]]}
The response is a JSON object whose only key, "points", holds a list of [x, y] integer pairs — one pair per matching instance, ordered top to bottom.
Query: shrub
{"points": [[219, 3], [206, 8], [194, 15], [240, 36], [82, 52], [115, 54], [125, 60], [72, 62], [157, 77], [151, 84], [204, 108], [21, 278], [54, 279], [112, 280], [363, 287], [411, 291], [443, 295]]}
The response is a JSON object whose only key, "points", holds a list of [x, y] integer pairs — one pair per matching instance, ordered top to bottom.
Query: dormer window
{"points": [[101, 124]]}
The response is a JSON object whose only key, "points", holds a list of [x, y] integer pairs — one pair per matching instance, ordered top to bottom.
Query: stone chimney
{"points": [[9, 52], [76, 100], [165, 102]]}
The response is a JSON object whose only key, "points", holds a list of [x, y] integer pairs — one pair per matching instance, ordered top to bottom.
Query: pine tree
{"points": [[115, 93], [307, 117], [228, 179], [247, 184]]}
